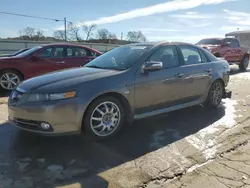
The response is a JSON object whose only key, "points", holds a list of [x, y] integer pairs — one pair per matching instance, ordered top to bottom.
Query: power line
{"points": [[29, 16], [44, 18]]}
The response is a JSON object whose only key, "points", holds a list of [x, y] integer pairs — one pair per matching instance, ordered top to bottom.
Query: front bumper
{"points": [[63, 116]]}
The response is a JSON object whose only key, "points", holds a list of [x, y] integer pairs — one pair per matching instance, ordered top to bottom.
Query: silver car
{"points": [[130, 82]]}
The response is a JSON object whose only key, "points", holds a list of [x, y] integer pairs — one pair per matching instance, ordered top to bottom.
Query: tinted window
{"points": [[210, 41], [235, 43], [58, 52], [77, 52], [45, 53], [167, 55], [191, 55], [119, 58]]}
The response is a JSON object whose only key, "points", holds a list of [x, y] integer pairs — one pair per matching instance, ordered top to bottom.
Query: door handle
{"points": [[59, 62], [178, 75]]}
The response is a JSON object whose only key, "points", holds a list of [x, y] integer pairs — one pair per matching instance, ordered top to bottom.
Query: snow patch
{"points": [[245, 75], [204, 140]]}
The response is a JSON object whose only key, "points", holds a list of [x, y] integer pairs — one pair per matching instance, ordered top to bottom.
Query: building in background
{"points": [[242, 36]]}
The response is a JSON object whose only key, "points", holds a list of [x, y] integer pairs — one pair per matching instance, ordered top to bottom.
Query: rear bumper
{"points": [[227, 94]]}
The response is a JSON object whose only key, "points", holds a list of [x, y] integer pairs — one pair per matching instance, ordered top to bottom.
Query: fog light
{"points": [[45, 126]]}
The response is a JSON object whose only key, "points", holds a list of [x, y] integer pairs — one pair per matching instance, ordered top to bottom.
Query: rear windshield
{"points": [[210, 41]]}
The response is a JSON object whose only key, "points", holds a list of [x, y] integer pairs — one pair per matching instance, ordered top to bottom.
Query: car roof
{"points": [[161, 43], [67, 44]]}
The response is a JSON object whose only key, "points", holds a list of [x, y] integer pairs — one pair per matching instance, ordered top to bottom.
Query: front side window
{"points": [[235, 43], [45, 53], [167, 55], [191, 55]]}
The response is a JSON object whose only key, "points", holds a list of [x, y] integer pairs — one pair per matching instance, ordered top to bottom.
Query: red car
{"points": [[229, 49], [43, 59]]}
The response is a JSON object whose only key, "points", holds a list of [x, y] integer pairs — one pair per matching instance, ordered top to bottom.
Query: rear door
{"points": [[78, 56], [197, 72]]}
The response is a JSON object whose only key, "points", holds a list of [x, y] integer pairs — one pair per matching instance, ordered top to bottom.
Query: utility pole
{"points": [[65, 29], [121, 35]]}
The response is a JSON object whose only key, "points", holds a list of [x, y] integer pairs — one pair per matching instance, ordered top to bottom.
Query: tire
{"points": [[244, 64], [10, 79], [215, 91], [97, 125]]}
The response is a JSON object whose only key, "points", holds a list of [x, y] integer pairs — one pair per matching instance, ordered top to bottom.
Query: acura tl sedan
{"points": [[129, 82]]}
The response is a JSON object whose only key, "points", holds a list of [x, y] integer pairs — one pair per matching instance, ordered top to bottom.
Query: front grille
{"points": [[30, 124]]}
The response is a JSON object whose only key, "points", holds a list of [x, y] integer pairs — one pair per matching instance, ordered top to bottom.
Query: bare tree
{"points": [[88, 30], [29, 33], [74, 33], [102, 34], [38, 35], [59, 35], [112, 36], [136, 36]]}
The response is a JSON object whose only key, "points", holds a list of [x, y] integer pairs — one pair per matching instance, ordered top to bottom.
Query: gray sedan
{"points": [[129, 82]]}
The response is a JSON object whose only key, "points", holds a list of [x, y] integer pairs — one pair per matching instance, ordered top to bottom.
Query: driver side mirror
{"points": [[35, 57], [152, 66]]}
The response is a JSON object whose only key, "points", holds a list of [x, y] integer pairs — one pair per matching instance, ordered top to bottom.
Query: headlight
{"points": [[48, 97]]}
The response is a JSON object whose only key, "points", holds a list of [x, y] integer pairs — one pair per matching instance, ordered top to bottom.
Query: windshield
{"points": [[210, 41], [19, 51], [28, 52], [120, 58]]}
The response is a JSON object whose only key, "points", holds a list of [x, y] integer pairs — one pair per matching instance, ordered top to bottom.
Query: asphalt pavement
{"points": [[30, 160]]}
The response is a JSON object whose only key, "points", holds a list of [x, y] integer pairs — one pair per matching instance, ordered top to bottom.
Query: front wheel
{"points": [[244, 64], [10, 79], [215, 94], [104, 118]]}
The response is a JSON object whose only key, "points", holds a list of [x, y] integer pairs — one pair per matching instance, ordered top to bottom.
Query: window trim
{"points": [[162, 46]]}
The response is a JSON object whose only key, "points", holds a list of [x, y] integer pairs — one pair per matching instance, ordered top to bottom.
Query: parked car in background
{"points": [[227, 48], [15, 53], [43, 59], [129, 82]]}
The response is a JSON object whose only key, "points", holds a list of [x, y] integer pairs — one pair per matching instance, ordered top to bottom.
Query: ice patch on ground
{"points": [[244, 75], [205, 139]]}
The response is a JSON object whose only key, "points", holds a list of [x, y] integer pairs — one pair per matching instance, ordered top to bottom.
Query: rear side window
{"points": [[77, 52], [167, 55], [191, 55]]}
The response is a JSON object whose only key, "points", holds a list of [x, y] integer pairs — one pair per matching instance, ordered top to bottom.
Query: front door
{"points": [[49, 59], [197, 72], [163, 88]]}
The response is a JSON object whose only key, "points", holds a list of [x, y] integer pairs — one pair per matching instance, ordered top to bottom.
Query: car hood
{"points": [[65, 79]]}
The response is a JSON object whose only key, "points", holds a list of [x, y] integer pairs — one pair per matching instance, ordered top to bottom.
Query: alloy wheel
{"points": [[9, 80], [216, 93], [105, 118]]}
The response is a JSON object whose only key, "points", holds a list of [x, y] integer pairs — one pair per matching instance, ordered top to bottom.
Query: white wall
{"points": [[10, 46]]}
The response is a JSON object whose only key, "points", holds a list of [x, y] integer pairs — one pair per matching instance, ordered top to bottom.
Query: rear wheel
{"points": [[244, 64], [10, 79], [215, 94], [104, 118]]}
